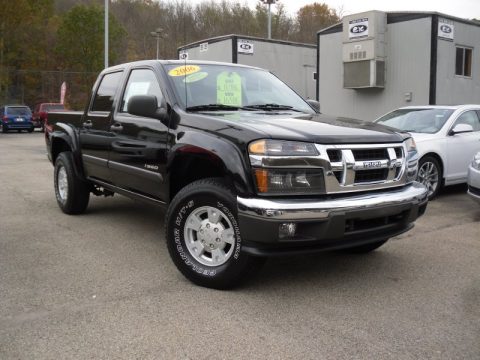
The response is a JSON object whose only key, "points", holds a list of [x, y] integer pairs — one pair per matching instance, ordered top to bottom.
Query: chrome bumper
{"points": [[312, 209]]}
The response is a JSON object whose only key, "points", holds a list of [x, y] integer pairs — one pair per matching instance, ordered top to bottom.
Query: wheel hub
{"points": [[62, 183], [209, 236]]}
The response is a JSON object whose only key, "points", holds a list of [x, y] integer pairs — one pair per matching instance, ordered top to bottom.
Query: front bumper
{"points": [[474, 183], [331, 223]]}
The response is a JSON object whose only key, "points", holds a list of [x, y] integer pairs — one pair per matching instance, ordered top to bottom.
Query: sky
{"points": [[460, 8]]}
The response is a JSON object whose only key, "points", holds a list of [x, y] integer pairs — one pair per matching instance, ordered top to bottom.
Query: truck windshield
{"points": [[231, 88], [18, 110], [428, 121]]}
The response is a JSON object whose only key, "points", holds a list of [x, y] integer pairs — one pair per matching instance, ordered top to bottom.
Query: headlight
{"points": [[411, 146], [282, 148], [476, 161], [283, 180], [289, 181]]}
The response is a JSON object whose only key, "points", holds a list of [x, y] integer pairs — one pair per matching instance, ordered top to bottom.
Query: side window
{"points": [[463, 61], [141, 82], [106, 91], [469, 118]]}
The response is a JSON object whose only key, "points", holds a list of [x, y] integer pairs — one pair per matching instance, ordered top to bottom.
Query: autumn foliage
{"points": [[46, 42]]}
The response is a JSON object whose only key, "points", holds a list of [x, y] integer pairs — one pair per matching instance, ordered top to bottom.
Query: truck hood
{"points": [[316, 128]]}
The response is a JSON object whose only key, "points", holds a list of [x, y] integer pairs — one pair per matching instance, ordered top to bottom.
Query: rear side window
{"points": [[106, 92]]}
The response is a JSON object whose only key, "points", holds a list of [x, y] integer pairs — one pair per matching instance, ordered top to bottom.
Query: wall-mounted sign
{"points": [[358, 28], [446, 29], [203, 47], [245, 47], [183, 55]]}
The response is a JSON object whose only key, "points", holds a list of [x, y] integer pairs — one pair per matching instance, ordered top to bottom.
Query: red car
{"points": [[40, 112]]}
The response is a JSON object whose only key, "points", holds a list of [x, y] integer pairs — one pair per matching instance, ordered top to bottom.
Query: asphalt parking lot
{"points": [[101, 285]]}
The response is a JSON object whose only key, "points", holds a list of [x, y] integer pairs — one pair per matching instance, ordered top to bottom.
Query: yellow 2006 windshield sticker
{"points": [[184, 70], [229, 89]]}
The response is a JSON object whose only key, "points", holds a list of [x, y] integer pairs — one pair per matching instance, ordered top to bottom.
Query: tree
{"points": [[312, 18], [81, 38], [80, 44]]}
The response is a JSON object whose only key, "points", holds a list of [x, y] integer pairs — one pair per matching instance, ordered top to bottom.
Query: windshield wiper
{"points": [[212, 107], [270, 107]]}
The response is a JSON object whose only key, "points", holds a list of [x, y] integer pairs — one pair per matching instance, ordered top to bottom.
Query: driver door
{"points": [[139, 148]]}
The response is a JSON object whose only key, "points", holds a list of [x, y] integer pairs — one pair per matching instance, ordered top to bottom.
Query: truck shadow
{"points": [[331, 269]]}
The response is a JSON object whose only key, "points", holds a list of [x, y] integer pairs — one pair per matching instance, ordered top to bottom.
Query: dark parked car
{"points": [[40, 113], [16, 117]]}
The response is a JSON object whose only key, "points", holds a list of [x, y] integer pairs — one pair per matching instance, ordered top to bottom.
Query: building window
{"points": [[463, 61]]}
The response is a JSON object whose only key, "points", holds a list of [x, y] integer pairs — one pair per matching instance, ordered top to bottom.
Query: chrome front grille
{"points": [[363, 167]]}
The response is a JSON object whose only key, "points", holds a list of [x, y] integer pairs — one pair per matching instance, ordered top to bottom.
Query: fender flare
{"points": [[66, 133], [218, 150]]}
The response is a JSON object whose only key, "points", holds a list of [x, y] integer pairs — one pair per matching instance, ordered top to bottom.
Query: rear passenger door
{"points": [[95, 135], [139, 149]]}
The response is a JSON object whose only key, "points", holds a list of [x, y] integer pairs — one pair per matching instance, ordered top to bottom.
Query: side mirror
{"points": [[314, 104], [147, 106], [461, 128]]}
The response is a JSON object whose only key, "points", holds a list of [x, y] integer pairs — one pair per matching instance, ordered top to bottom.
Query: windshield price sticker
{"points": [[358, 28], [184, 70], [229, 89]]}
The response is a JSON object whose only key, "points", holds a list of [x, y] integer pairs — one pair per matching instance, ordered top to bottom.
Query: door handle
{"points": [[88, 124], [116, 127]]}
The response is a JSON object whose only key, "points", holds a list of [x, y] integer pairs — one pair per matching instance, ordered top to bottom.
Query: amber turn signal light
{"points": [[262, 180]]}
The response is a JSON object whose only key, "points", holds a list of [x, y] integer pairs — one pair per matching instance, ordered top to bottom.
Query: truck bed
{"points": [[68, 117]]}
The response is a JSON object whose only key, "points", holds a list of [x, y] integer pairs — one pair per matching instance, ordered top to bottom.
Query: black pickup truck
{"points": [[244, 167]]}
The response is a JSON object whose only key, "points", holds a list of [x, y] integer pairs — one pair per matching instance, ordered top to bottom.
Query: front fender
{"points": [[218, 150]]}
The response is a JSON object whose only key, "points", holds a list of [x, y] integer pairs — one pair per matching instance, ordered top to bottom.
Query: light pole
{"points": [[269, 2], [158, 33], [106, 34]]}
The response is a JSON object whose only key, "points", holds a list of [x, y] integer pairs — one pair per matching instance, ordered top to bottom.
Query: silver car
{"points": [[474, 178]]}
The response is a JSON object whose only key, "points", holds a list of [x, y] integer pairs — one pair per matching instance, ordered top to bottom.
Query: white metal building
{"points": [[374, 62], [294, 63]]}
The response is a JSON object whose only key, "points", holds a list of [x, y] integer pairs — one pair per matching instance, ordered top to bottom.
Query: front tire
{"points": [[4, 129], [430, 175], [72, 193], [203, 236]]}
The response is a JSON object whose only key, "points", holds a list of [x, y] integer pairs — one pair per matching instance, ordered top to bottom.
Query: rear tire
{"points": [[30, 130], [72, 193], [203, 236], [364, 249]]}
